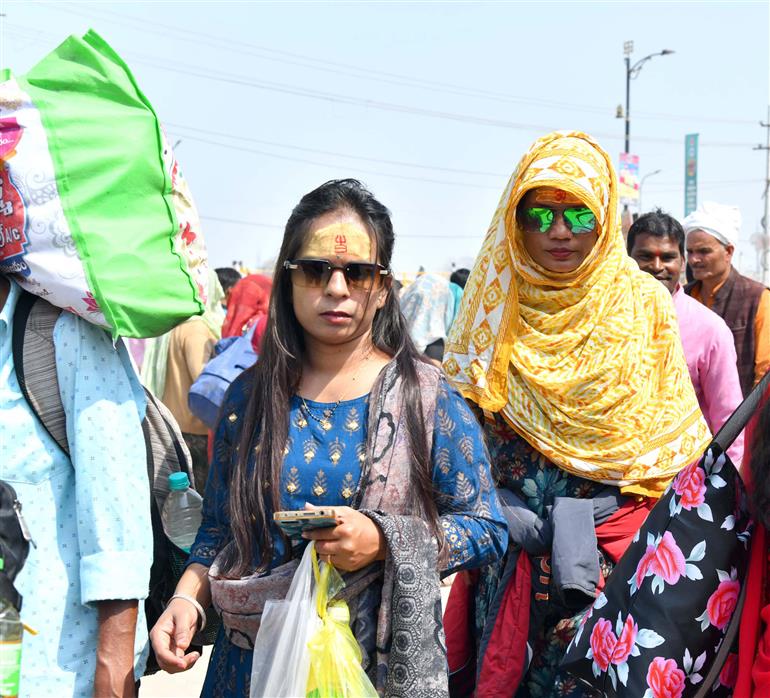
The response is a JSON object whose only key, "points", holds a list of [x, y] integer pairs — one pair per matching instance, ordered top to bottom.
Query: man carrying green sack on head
{"points": [[85, 164], [117, 247]]}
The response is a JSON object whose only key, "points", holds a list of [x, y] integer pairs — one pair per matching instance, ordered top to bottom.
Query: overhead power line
{"points": [[357, 71], [284, 88], [393, 107], [180, 129], [240, 138], [246, 149], [400, 163], [711, 183], [660, 187], [251, 224], [254, 224]]}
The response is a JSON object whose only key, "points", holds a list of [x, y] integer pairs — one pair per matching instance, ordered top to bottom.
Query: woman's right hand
{"points": [[173, 634]]}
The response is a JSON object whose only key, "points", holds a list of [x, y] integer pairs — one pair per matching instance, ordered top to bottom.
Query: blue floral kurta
{"points": [[323, 467]]}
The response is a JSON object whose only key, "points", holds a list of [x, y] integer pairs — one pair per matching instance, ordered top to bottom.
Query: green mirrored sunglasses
{"points": [[579, 219]]}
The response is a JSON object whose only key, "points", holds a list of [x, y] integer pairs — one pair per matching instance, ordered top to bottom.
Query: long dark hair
{"points": [[759, 463], [255, 491]]}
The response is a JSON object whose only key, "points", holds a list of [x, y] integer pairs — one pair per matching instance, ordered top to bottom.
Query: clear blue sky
{"points": [[430, 104]]}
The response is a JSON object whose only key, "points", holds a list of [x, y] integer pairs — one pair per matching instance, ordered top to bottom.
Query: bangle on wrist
{"points": [[198, 607]]}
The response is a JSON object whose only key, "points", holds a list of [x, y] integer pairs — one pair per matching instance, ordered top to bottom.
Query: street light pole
{"points": [[628, 48], [632, 72], [628, 105]]}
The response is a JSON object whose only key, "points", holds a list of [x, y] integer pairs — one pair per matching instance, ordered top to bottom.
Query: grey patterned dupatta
{"points": [[396, 606]]}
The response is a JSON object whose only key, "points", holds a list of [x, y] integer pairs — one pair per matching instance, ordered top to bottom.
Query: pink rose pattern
{"points": [[690, 486], [665, 560], [668, 561], [722, 603], [626, 641], [603, 642], [611, 649], [665, 679]]}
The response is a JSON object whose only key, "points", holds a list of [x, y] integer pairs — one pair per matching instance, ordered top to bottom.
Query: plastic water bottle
{"points": [[182, 512], [11, 632]]}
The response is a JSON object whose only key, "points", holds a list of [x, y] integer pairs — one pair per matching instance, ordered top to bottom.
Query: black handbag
{"points": [[14, 543], [665, 624]]}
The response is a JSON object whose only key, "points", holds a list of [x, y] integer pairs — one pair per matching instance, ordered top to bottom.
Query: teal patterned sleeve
{"points": [[470, 513]]}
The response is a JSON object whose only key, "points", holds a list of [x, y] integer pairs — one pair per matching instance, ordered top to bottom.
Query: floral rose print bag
{"points": [[658, 628]]}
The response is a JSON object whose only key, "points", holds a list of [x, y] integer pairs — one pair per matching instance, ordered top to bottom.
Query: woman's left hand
{"points": [[352, 544]]}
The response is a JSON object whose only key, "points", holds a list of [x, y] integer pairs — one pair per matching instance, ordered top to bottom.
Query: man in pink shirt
{"points": [[656, 243]]}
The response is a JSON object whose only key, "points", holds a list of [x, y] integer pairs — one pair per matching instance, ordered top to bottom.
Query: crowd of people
{"points": [[512, 425]]}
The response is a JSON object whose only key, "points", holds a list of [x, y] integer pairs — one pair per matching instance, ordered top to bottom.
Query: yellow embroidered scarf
{"points": [[587, 365]]}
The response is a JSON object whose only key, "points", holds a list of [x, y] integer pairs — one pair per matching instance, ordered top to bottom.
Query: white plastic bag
{"points": [[281, 655]]}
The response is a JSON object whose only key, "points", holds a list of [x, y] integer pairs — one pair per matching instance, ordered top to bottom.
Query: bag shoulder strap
{"points": [[34, 359], [740, 418], [724, 438], [167, 451], [724, 649]]}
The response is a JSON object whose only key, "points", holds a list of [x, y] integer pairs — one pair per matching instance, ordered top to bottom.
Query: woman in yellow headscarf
{"points": [[573, 356]]}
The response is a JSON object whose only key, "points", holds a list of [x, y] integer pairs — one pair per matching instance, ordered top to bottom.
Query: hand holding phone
{"points": [[293, 523], [353, 543]]}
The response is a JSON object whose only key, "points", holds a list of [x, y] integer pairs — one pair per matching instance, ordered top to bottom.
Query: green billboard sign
{"points": [[690, 173]]}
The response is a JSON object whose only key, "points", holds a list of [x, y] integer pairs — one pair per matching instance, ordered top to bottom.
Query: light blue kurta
{"points": [[88, 516]]}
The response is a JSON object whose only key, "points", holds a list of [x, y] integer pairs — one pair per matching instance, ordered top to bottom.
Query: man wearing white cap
{"points": [[712, 232]]}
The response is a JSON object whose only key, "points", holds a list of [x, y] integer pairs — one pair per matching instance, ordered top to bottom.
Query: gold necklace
{"points": [[328, 413]]}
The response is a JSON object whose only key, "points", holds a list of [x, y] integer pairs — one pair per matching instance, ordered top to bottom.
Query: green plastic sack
{"points": [[94, 213], [335, 657]]}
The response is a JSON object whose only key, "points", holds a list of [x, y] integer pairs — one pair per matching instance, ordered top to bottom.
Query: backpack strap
{"points": [[34, 359], [740, 418], [167, 451]]}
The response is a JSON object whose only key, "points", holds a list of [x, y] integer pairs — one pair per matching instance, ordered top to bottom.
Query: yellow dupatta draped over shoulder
{"points": [[587, 365]]}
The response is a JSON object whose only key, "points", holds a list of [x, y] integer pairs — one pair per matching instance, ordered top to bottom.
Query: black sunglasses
{"points": [[315, 273]]}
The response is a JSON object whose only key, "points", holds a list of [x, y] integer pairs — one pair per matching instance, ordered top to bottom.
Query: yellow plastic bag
{"points": [[335, 657]]}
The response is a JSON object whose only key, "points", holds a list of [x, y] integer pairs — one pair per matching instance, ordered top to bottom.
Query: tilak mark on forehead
{"points": [[549, 196], [337, 240]]}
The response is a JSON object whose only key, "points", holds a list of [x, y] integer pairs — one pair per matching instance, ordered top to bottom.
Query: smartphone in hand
{"points": [[293, 523]]}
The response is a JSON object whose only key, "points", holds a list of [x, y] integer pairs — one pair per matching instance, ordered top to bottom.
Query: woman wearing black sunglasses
{"points": [[340, 410]]}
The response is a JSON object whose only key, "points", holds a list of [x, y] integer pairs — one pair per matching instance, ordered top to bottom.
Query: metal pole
{"points": [[628, 102], [766, 260]]}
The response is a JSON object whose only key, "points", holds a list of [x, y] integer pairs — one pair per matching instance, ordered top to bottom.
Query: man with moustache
{"points": [[712, 231], [656, 243]]}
